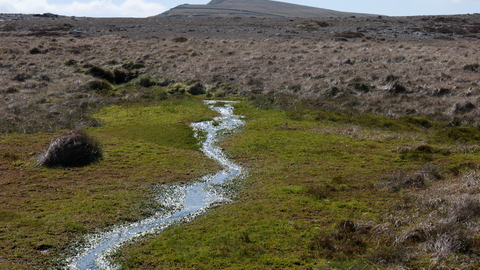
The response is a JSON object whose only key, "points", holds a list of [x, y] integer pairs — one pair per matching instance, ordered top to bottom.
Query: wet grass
{"points": [[314, 198], [43, 211]]}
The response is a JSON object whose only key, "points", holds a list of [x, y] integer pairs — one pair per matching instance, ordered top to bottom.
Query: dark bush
{"points": [[349, 35], [180, 39], [35, 51], [133, 65], [472, 67], [101, 73], [122, 76], [21, 77], [391, 78], [147, 82], [100, 86], [396, 88], [197, 89], [11, 90], [438, 92], [464, 107], [72, 149]]}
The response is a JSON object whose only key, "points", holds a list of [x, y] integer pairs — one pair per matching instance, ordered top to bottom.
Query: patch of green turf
{"points": [[303, 184], [44, 211]]}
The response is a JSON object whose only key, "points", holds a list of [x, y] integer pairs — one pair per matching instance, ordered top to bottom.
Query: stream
{"points": [[181, 202]]}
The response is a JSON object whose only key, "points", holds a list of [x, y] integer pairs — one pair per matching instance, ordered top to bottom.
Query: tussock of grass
{"points": [[72, 149]]}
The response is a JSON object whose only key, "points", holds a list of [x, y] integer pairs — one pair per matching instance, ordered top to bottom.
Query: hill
{"points": [[249, 8]]}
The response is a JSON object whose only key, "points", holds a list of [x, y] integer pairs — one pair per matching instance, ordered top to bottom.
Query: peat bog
{"points": [[361, 145]]}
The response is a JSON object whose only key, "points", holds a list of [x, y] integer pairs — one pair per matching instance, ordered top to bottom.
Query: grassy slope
{"points": [[311, 172], [43, 210]]}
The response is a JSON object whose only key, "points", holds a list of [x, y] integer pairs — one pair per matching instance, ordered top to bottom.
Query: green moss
{"points": [[462, 134], [144, 146], [302, 184]]}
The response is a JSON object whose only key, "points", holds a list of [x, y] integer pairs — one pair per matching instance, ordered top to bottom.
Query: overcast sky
{"points": [[144, 8]]}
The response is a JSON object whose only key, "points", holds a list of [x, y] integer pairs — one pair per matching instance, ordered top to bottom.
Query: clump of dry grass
{"points": [[72, 149], [441, 220]]}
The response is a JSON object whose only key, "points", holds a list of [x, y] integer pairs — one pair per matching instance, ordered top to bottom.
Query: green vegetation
{"points": [[327, 190], [318, 195], [43, 211]]}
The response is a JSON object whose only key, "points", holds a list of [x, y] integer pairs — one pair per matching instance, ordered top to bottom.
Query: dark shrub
{"points": [[349, 35], [180, 39], [35, 51], [133, 65], [472, 67], [101, 73], [122, 76], [21, 77], [391, 78], [146, 82], [100, 86], [396, 88], [197, 89], [464, 107], [72, 149]]}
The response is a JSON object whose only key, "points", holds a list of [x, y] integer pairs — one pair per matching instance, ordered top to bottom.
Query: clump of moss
{"points": [[147, 82], [99, 86], [177, 88], [463, 134], [72, 149]]}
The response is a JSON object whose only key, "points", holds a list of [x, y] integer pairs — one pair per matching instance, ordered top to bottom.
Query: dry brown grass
{"points": [[46, 90], [439, 218]]}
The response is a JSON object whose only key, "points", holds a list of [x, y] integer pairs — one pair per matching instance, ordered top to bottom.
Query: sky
{"points": [[145, 8]]}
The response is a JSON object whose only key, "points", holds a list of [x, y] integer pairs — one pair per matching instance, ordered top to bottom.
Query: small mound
{"points": [[72, 149]]}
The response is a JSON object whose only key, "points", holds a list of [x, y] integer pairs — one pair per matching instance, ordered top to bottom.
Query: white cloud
{"points": [[95, 8]]}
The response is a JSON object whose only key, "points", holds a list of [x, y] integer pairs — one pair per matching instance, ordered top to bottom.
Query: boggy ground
{"points": [[358, 122]]}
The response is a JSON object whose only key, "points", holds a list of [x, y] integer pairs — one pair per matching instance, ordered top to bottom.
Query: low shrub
{"points": [[180, 39], [472, 67], [101, 73], [122, 76], [147, 82], [99, 86], [177, 88], [197, 89], [462, 134], [72, 149]]}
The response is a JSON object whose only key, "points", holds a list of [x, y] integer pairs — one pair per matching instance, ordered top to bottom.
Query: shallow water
{"points": [[181, 202]]}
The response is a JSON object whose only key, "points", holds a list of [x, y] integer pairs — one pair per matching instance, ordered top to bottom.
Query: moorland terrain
{"points": [[361, 138]]}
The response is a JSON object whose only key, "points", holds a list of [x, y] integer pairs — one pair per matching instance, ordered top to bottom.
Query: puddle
{"points": [[181, 202]]}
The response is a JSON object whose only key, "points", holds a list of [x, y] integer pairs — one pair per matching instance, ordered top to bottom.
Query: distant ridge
{"points": [[253, 8]]}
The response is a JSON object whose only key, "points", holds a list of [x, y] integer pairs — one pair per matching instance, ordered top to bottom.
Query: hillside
{"points": [[249, 8]]}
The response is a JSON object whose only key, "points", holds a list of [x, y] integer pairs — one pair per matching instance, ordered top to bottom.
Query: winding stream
{"points": [[181, 202]]}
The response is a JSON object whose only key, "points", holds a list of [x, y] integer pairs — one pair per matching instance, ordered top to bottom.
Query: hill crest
{"points": [[253, 8]]}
